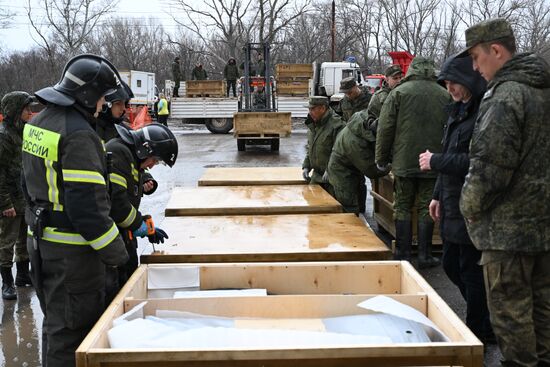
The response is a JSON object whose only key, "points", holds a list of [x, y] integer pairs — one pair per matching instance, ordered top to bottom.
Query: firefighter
{"points": [[113, 112], [132, 153], [71, 236]]}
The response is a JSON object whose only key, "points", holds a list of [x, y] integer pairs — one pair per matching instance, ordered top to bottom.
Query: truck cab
{"points": [[331, 73]]}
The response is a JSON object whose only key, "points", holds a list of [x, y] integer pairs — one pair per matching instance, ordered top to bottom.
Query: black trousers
{"points": [[232, 84], [163, 119], [461, 264]]}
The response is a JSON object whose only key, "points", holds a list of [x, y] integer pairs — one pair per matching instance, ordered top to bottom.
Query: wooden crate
{"points": [[293, 71], [205, 88], [292, 88], [275, 123], [229, 176], [382, 195], [251, 200], [244, 238], [297, 290]]}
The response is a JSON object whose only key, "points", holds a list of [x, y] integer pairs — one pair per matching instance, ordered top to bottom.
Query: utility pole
{"points": [[333, 32]]}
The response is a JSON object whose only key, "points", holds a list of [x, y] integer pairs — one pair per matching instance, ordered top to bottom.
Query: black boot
{"points": [[425, 233], [403, 240], [22, 279], [8, 290]]}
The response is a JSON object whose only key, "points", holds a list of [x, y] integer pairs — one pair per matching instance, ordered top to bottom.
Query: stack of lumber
{"points": [[293, 79]]}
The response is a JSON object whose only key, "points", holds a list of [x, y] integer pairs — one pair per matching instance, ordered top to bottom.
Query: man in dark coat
{"points": [[231, 74], [176, 76], [460, 257]]}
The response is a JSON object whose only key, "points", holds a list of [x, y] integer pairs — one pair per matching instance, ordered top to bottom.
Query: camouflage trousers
{"points": [[408, 191], [13, 240], [518, 296]]}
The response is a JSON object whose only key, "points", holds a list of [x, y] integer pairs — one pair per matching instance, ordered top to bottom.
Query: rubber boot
{"points": [[425, 233], [403, 240], [22, 279], [8, 290]]}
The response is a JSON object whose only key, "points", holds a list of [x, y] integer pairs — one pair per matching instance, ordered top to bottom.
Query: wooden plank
{"points": [[293, 70], [205, 88], [262, 122], [231, 176], [248, 200], [313, 237]]}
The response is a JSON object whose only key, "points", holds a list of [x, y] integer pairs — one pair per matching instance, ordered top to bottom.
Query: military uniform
{"points": [[261, 67], [199, 73], [231, 74], [176, 76], [377, 100], [348, 106], [411, 121], [352, 159], [506, 199], [13, 230], [72, 238]]}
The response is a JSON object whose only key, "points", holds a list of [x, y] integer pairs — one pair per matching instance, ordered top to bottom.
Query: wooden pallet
{"points": [[293, 70], [205, 88], [294, 88], [262, 123]]}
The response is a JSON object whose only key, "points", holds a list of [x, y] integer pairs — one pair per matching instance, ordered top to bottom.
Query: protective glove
{"points": [[305, 174], [324, 179], [141, 231], [158, 236]]}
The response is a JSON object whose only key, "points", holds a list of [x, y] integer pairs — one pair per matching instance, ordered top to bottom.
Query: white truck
{"points": [[143, 86], [217, 113]]}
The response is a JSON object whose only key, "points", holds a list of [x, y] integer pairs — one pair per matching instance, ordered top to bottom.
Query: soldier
{"points": [[260, 69], [199, 73], [231, 74], [176, 76], [393, 76], [356, 98], [113, 112], [411, 121], [324, 125], [132, 153], [352, 159], [506, 196], [13, 230], [72, 238], [460, 257]]}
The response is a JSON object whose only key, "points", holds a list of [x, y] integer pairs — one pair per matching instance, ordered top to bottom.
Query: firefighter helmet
{"points": [[153, 140]]}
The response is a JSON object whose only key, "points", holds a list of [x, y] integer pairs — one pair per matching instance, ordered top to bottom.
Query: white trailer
{"points": [[143, 86]]}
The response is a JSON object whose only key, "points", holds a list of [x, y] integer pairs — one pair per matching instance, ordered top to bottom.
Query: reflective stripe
{"points": [[74, 78], [40, 142], [135, 173], [74, 175], [118, 179], [53, 191], [129, 219], [53, 235]]}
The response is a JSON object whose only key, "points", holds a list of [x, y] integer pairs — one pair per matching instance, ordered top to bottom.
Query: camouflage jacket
{"points": [[176, 71], [231, 71], [199, 74], [377, 100], [349, 107], [412, 120], [320, 139], [352, 155], [11, 193], [506, 196]]}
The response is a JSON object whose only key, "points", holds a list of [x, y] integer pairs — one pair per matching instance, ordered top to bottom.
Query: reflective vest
{"points": [[164, 109]]}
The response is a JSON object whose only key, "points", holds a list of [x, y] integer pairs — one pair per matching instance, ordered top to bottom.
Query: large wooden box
{"points": [[293, 71], [205, 88], [293, 88], [262, 123], [245, 176], [382, 195], [251, 200], [304, 237], [296, 290]]}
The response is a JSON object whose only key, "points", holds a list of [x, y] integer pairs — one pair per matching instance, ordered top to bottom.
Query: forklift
{"points": [[257, 96]]}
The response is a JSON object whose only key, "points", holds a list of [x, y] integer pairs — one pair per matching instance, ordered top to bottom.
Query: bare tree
{"points": [[6, 15], [275, 16], [67, 24], [533, 32]]}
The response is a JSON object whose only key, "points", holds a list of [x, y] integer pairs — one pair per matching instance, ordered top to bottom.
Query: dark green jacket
{"points": [[261, 68], [176, 71], [231, 71], [199, 74], [377, 100], [349, 107], [412, 120], [320, 139], [353, 154], [11, 193], [506, 195]]}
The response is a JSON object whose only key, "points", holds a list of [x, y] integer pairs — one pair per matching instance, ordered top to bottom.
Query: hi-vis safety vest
{"points": [[164, 109], [64, 169]]}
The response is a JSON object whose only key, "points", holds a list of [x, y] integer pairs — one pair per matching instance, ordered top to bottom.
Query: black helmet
{"points": [[86, 78], [122, 93], [153, 140]]}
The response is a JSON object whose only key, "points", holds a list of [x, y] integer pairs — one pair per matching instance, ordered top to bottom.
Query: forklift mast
{"points": [[251, 81]]}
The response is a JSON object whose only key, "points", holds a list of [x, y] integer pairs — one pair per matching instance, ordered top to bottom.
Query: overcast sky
{"points": [[19, 36]]}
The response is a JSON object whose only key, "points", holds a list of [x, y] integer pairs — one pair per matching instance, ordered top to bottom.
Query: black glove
{"points": [[305, 174], [158, 236]]}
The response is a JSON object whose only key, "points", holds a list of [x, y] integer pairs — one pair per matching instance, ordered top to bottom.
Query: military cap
{"points": [[487, 31], [393, 70], [347, 84], [317, 101]]}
